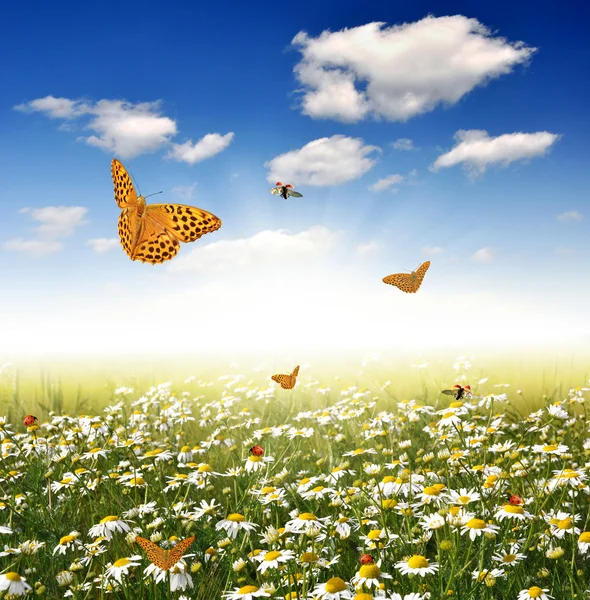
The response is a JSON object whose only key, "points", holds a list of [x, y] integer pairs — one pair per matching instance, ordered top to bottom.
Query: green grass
{"points": [[50, 486]]}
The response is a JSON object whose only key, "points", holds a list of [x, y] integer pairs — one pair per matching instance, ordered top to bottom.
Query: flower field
{"points": [[350, 494]]}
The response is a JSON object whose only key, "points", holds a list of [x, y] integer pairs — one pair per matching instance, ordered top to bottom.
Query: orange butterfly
{"points": [[408, 282], [287, 381], [164, 558]]}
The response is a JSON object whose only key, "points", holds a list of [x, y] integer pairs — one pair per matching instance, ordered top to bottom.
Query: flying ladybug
{"points": [[285, 191], [459, 392]]}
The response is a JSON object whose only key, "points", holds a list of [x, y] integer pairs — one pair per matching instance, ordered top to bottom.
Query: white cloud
{"points": [[405, 70], [56, 108], [127, 129], [403, 144], [206, 147], [476, 149], [326, 161], [388, 182], [185, 191], [571, 215], [57, 221], [102, 245], [33, 247], [263, 248], [368, 248], [430, 250], [483, 255]]}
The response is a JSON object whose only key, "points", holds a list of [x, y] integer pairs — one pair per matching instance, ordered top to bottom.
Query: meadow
{"points": [[365, 482]]}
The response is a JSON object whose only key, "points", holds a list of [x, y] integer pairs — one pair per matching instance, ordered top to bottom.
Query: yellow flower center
{"points": [[185, 448], [548, 448], [95, 450], [154, 452], [253, 458], [205, 469], [569, 474], [388, 479], [66, 480], [137, 481], [304, 481], [317, 489], [267, 490], [431, 491], [463, 499], [389, 503], [515, 510], [237, 517], [308, 517], [109, 518], [343, 520], [475, 524], [565, 524], [374, 534], [585, 537], [66, 539], [273, 555], [308, 557], [509, 558], [122, 562], [418, 562], [370, 572], [12, 576], [334, 585], [247, 589], [535, 592], [363, 596]]}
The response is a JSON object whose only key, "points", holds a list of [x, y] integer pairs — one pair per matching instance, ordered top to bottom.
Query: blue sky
{"points": [[210, 103]]}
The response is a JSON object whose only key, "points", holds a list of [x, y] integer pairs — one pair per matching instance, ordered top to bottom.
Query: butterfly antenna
{"points": [[154, 194]]}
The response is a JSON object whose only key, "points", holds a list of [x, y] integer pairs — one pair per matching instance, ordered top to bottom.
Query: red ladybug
{"points": [[459, 391], [29, 420], [257, 450], [515, 500], [366, 559]]}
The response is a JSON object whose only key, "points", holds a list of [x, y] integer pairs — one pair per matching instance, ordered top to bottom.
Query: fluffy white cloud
{"points": [[400, 71], [127, 129], [403, 144], [206, 147], [476, 149], [326, 161], [390, 182], [571, 215], [57, 221], [102, 245], [33, 248], [263, 248], [368, 248], [430, 250], [483, 255]]}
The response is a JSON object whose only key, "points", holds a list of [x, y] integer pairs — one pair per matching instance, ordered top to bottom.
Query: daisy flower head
{"points": [[254, 463], [463, 497], [513, 511], [303, 522], [234, 523], [107, 526], [476, 527], [584, 542], [509, 557], [272, 559], [417, 565], [122, 567], [370, 575], [13, 584], [334, 589], [247, 592], [534, 593]]}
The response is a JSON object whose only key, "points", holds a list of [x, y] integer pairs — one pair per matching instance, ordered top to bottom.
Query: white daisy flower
{"points": [[417, 565]]}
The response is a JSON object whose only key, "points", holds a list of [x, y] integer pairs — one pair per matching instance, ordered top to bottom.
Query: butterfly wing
{"points": [[124, 191], [291, 192], [185, 223], [129, 224], [153, 243], [419, 275], [403, 281], [295, 371], [287, 382], [178, 550], [157, 555]]}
